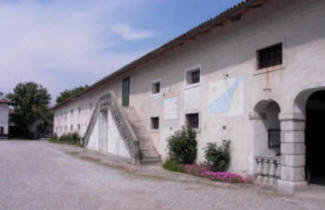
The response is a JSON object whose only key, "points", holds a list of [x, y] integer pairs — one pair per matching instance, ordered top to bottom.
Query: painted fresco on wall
{"points": [[226, 96], [170, 108]]}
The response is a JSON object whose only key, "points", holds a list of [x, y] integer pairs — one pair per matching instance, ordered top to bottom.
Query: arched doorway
{"points": [[267, 128], [267, 136], [315, 138]]}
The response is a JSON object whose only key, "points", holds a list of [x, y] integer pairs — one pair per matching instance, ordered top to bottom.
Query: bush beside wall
{"points": [[71, 138], [183, 146]]}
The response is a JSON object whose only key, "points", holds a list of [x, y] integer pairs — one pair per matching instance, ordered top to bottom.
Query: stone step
{"points": [[149, 154], [151, 161]]}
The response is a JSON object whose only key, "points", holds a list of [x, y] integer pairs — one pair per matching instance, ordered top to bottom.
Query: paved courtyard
{"points": [[41, 175]]}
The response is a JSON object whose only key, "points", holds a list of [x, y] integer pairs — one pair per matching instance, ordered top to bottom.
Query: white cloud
{"points": [[128, 33], [58, 45]]}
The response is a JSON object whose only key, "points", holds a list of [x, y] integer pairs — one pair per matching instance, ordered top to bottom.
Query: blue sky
{"points": [[62, 44]]}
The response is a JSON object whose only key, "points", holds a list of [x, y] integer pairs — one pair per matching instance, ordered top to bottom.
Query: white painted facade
{"points": [[227, 59], [4, 117], [106, 137]]}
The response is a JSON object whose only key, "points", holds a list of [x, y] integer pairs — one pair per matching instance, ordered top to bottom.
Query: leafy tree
{"points": [[68, 93], [31, 105]]}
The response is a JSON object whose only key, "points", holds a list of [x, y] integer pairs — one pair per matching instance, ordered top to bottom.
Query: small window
{"points": [[270, 56], [193, 76], [155, 87], [192, 120], [155, 123], [71, 127], [79, 127], [274, 138]]}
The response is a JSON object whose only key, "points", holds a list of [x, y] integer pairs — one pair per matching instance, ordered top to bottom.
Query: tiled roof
{"points": [[233, 13]]}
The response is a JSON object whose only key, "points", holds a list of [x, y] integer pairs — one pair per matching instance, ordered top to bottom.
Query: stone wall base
{"points": [[291, 187]]}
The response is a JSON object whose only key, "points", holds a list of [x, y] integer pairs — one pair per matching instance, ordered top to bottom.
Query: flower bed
{"points": [[202, 171]]}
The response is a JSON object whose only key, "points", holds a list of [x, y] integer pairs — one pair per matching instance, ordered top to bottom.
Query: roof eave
{"points": [[219, 20]]}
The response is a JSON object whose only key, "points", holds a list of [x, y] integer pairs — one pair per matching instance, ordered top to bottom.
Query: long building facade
{"points": [[253, 75], [4, 116]]}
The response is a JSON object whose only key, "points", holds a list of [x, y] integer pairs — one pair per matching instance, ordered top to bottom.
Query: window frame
{"points": [[275, 66], [189, 70], [155, 82], [187, 122], [151, 123]]}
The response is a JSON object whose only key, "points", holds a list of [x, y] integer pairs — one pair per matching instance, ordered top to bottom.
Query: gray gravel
{"points": [[42, 175]]}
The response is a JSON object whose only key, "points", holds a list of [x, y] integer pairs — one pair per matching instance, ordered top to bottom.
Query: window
{"points": [[270, 56], [193, 76], [155, 87], [79, 110], [192, 120], [155, 123], [71, 127], [79, 127], [274, 138]]}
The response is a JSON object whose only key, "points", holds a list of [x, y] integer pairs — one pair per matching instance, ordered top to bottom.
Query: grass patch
{"points": [[60, 141], [73, 153], [90, 159], [172, 165]]}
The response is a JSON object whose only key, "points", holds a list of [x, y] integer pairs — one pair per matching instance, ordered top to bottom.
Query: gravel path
{"points": [[40, 175]]}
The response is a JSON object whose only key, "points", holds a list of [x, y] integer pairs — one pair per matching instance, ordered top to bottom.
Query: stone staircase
{"points": [[148, 152]]}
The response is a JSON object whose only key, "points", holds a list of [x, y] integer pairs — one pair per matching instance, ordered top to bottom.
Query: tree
{"points": [[68, 93], [31, 107]]}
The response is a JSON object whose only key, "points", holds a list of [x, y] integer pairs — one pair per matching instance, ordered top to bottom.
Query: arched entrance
{"points": [[267, 129], [267, 136], [315, 138]]}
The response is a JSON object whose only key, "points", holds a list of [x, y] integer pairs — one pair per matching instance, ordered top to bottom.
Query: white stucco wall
{"points": [[225, 54], [4, 117], [94, 137], [113, 140], [116, 145]]}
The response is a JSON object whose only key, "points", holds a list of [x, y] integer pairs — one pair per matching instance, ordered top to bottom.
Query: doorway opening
{"points": [[103, 131], [268, 131], [315, 138]]}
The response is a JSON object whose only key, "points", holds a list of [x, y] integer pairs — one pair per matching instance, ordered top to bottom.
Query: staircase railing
{"points": [[109, 102]]}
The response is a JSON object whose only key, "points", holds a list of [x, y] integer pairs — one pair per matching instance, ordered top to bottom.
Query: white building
{"points": [[254, 75], [4, 116]]}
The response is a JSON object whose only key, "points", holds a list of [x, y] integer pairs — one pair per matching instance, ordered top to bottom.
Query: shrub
{"points": [[71, 138], [182, 146], [217, 158], [172, 165]]}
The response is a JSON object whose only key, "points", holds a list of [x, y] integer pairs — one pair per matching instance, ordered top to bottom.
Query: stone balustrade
{"points": [[267, 170]]}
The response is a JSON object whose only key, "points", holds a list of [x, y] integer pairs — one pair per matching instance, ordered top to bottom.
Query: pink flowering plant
{"points": [[183, 152], [203, 171]]}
